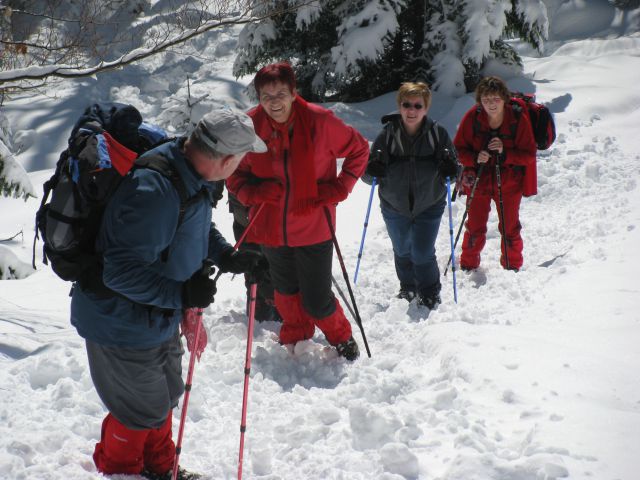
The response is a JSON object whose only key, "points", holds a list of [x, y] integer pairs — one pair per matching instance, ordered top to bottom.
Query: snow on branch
{"points": [[486, 21], [364, 36], [12, 78], [13, 178]]}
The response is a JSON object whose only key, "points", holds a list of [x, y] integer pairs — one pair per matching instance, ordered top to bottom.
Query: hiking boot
{"points": [[406, 294], [430, 301], [266, 313], [348, 349], [182, 475]]}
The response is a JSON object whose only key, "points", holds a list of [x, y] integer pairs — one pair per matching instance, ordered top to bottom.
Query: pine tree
{"points": [[356, 49], [14, 181]]}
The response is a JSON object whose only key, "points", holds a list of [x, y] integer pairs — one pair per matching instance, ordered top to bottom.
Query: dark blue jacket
{"points": [[139, 224]]}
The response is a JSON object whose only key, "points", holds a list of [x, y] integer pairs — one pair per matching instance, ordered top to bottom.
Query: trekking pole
{"points": [[466, 211], [364, 231], [503, 233], [242, 237], [453, 250], [206, 270], [346, 279], [342, 295], [192, 358], [247, 370], [185, 402]]}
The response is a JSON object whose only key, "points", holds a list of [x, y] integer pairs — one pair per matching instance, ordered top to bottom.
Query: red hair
{"points": [[275, 72]]}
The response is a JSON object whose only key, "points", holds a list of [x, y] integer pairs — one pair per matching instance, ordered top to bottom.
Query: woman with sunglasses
{"points": [[493, 134], [410, 158]]}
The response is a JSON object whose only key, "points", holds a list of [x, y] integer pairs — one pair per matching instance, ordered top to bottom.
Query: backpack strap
{"points": [[515, 106], [518, 109], [434, 136], [161, 165]]}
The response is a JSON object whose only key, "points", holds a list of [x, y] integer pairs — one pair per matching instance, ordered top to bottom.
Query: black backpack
{"points": [[541, 119], [104, 146]]}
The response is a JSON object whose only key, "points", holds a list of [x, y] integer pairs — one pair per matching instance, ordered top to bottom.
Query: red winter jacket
{"points": [[331, 139], [519, 170]]}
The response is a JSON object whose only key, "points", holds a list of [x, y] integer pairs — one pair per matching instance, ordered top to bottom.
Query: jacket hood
{"points": [[390, 116], [395, 119]]}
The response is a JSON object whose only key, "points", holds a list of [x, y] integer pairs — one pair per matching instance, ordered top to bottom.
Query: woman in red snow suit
{"points": [[495, 131], [296, 180]]}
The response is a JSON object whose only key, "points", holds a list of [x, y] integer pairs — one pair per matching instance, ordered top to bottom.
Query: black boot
{"points": [[406, 293], [430, 301], [348, 349], [182, 475]]}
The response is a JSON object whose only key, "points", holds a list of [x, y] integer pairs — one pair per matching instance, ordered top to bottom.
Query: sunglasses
{"points": [[417, 106]]}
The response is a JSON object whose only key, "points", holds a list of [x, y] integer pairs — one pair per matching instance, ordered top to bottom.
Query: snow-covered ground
{"points": [[530, 376]]}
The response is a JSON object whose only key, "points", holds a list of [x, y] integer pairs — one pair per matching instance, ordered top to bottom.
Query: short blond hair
{"points": [[414, 89]]}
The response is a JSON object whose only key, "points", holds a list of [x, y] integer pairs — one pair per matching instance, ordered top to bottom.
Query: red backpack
{"points": [[541, 119]]}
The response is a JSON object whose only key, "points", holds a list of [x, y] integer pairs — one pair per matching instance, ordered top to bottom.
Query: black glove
{"points": [[447, 164], [376, 168], [241, 261], [260, 272], [199, 290]]}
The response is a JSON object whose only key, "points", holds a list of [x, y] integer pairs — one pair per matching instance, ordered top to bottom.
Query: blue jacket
{"points": [[139, 223]]}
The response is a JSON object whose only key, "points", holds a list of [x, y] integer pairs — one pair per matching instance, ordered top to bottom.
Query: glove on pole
{"points": [[466, 211], [364, 231], [503, 233], [242, 237], [453, 250], [346, 279], [192, 359], [247, 370]]}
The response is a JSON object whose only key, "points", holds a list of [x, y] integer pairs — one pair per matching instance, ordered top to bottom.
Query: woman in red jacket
{"points": [[493, 135], [296, 179]]}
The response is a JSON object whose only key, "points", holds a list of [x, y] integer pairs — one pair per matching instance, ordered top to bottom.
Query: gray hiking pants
{"points": [[138, 386]]}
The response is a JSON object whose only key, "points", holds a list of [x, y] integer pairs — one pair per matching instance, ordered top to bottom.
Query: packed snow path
{"points": [[530, 376]]}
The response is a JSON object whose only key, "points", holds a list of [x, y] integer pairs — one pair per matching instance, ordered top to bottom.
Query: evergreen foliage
{"points": [[352, 50], [14, 181]]}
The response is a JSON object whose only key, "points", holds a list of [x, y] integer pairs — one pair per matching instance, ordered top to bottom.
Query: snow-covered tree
{"points": [[353, 49], [14, 181]]}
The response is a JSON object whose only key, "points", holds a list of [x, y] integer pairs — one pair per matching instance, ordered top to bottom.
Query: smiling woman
{"points": [[276, 99], [497, 148], [408, 160], [297, 183]]}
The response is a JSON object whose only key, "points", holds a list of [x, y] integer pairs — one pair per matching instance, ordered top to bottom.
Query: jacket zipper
{"points": [[413, 180], [286, 197]]}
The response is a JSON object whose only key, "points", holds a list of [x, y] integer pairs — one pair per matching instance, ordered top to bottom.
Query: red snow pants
{"points": [[475, 235], [298, 324], [127, 451]]}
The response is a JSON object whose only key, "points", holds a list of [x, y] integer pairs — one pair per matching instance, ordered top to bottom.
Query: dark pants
{"points": [[414, 250], [306, 270], [265, 307], [138, 386]]}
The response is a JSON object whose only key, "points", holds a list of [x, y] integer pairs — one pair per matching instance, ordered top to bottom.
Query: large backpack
{"points": [[540, 118], [103, 147]]}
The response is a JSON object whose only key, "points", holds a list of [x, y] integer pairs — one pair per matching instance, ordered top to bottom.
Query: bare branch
{"points": [[12, 78]]}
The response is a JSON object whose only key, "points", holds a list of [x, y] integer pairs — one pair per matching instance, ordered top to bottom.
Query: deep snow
{"points": [[530, 376]]}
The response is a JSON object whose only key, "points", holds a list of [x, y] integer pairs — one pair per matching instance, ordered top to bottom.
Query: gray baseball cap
{"points": [[228, 131]]}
